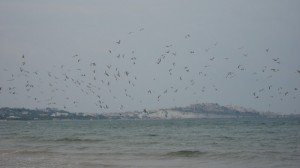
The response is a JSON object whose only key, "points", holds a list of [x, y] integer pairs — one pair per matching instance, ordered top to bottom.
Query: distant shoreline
{"points": [[195, 111]]}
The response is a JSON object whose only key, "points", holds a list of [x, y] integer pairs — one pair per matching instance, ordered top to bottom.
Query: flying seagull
{"points": [[187, 36], [93, 64], [229, 74]]}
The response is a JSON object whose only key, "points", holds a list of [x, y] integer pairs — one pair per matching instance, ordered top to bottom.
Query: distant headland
{"points": [[203, 110]]}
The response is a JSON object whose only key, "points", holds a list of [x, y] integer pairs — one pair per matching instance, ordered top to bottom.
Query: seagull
{"points": [[187, 36], [158, 61], [93, 64], [240, 67], [275, 70], [106, 73], [229, 74], [255, 95], [158, 97]]}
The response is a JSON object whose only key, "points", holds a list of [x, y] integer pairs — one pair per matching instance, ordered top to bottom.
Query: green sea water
{"points": [[191, 143]]}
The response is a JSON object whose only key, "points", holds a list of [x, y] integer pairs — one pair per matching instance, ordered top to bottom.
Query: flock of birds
{"points": [[96, 80]]}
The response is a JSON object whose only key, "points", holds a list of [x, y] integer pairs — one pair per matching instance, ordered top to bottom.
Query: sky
{"points": [[115, 56]]}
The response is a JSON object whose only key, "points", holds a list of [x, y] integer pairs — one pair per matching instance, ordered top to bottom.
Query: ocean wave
{"points": [[77, 140], [32, 152], [186, 153]]}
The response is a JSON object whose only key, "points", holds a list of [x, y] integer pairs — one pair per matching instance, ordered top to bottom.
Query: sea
{"points": [[180, 143]]}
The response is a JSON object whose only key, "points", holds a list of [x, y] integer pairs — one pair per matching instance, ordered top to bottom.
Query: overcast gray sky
{"points": [[113, 55]]}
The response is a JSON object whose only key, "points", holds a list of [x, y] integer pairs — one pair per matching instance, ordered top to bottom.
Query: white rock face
{"points": [[203, 110]]}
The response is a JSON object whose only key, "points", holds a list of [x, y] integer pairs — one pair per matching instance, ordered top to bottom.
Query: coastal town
{"points": [[203, 110]]}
